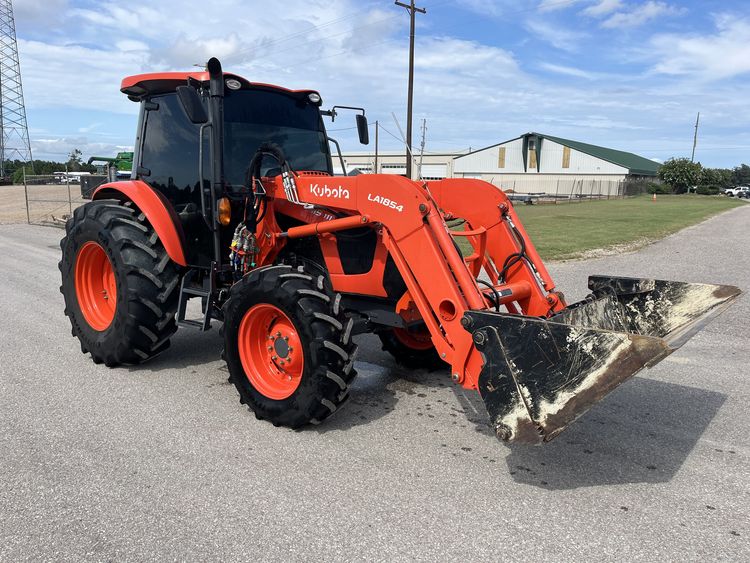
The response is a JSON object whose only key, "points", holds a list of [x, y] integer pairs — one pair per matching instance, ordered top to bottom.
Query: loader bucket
{"points": [[539, 375]]}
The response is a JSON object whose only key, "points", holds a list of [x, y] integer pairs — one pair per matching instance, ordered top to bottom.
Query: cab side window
{"points": [[170, 151]]}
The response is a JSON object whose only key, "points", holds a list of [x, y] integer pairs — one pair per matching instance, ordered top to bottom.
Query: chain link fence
{"points": [[573, 190], [51, 199]]}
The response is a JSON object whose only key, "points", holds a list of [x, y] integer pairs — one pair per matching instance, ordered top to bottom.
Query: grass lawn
{"points": [[573, 230]]}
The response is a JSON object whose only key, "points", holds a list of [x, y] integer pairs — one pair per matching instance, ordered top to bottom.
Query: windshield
{"points": [[252, 117]]}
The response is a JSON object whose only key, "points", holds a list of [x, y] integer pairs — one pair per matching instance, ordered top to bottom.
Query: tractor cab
{"points": [[198, 132], [168, 149]]}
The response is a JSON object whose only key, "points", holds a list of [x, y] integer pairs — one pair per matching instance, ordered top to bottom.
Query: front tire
{"points": [[120, 286], [288, 345]]}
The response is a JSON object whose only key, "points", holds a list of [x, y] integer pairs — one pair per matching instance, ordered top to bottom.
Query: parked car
{"points": [[739, 191]]}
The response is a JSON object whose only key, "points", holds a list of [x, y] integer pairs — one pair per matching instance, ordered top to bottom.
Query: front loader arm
{"points": [[489, 213], [414, 232], [544, 364]]}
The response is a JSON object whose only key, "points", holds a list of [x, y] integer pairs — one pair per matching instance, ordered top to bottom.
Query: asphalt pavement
{"points": [[161, 462]]}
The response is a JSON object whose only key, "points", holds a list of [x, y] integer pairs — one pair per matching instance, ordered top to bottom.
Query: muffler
{"points": [[539, 375]]}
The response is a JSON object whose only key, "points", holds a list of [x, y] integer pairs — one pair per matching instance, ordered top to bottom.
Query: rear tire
{"points": [[108, 240], [275, 308]]}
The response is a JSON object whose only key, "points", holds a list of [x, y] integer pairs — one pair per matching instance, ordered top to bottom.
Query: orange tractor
{"points": [[233, 201]]}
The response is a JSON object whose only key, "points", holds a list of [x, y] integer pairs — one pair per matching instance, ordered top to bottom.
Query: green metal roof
{"points": [[634, 163]]}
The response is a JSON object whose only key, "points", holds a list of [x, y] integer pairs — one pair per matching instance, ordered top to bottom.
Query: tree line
{"points": [[15, 168], [680, 175]]}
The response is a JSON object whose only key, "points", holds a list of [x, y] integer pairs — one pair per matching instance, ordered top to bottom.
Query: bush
{"points": [[18, 176], [654, 188], [708, 190]]}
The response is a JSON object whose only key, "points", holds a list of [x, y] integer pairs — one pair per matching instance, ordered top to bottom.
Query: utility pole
{"points": [[412, 9], [377, 126], [695, 137], [421, 150]]}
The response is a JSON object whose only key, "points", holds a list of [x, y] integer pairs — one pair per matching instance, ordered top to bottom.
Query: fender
{"points": [[159, 212]]}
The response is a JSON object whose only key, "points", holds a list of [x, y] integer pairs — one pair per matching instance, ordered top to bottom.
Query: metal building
{"points": [[538, 163], [434, 166]]}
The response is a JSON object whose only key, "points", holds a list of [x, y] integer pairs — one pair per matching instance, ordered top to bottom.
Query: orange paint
{"points": [[155, 207], [408, 219], [96, 288], [270, 351]]}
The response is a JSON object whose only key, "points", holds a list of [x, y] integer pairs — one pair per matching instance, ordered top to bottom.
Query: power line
{"points": [[307, 32], [339, 53], [391, 134]]}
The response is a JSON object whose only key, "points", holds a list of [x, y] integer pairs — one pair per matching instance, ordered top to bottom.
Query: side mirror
{"points": [[191, 103], [362, 129]]}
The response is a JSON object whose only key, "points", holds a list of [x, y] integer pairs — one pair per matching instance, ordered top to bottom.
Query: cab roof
{"points": [[139, 86]]}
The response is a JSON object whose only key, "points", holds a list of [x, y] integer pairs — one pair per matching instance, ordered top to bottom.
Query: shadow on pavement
{"points": [[188, 348], [379, 382], [376, 390], [371, 396], [642, 433]]}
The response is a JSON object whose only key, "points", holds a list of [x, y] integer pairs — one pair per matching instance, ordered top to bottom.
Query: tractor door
{"points": [[167, 159]]}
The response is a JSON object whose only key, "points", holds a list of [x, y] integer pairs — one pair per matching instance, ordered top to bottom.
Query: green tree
{"points": [[74, 160], [680, 174], [741, 175], [725, 177], [713, 180]]}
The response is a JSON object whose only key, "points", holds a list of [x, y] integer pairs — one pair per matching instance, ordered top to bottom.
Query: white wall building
{"points": [[533, 163], [536, 163], [435, 166]]}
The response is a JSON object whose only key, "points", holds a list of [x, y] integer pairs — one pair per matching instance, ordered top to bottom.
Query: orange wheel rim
{"points": [[96, 287], [420, 340], [270, 351]]}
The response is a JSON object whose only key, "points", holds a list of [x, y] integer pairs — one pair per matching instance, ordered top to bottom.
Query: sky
{"points": [[624, 74]]}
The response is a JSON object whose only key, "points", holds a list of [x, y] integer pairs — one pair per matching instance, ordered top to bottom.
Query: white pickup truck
{"points": [[739, 191]]}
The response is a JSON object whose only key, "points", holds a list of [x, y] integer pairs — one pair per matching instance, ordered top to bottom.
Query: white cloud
{"points": [[551, 5], [485, 7], [496, 8], [602, 8], [38, 11], [639, 14], [556, 35], [130, 45], [185, 52], [446, 54], [723, 54], [356, 61], [568, 71], [74, 76], [471, 93], [89, 128], [59, 148]]}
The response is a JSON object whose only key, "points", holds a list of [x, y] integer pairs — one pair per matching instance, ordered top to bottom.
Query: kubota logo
{"points": [[325, 191]]}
